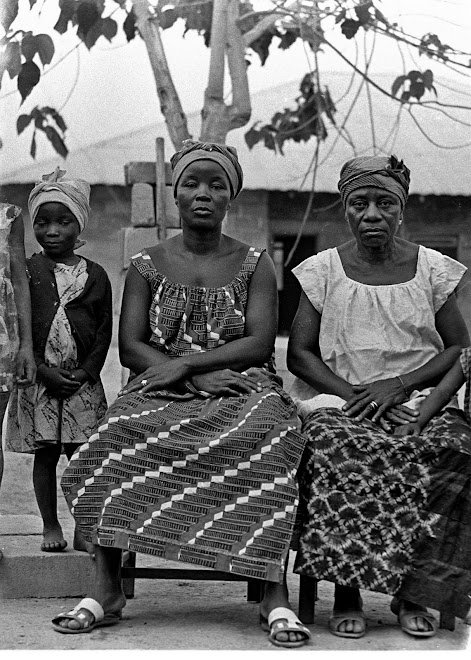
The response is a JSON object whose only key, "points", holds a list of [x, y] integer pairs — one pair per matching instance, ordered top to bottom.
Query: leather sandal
{"points": [[339, 616], [404, 617]]}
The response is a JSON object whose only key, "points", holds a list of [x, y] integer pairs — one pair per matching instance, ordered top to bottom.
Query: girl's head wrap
{"points": [[225, 156], [379, 171], [73, 193]]}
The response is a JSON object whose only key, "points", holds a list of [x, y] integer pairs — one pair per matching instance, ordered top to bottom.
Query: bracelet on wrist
{"points": [[406, 390]]}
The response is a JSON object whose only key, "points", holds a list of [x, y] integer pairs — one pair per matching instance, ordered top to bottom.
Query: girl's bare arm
{"points": [[26, 365]]}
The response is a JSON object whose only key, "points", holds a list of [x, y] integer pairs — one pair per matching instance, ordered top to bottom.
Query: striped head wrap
{"points": [[225, 156], [385, 172], [72, 193]]}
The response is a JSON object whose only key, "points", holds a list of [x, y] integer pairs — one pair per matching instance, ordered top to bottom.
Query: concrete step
{"points": [[27, 572]]}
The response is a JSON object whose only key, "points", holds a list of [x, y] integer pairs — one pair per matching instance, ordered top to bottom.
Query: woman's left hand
{"points": [[158, 377], [374, 399]]}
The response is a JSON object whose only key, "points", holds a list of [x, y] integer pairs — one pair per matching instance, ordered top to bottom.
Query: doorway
{"points": [[288, 286]]}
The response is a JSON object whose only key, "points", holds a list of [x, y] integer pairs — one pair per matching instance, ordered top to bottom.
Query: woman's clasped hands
{"points": [[175, 374], [381, 402]]}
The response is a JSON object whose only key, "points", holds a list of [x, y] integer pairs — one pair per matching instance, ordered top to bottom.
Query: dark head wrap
{"points": [[225, 156], [379, 171]]}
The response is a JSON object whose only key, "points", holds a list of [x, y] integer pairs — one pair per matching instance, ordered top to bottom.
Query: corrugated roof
{"points": [[434, 170]]}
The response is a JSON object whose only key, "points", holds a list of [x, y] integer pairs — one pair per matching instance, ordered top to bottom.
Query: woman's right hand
{"points": [[226, 382]]}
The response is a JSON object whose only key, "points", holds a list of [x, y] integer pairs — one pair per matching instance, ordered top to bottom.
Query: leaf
{"points": [[8, 13], [363, 13], [66, 15], [87, 15], [167, 18], [339, 18], [129, 25], [350, 27], [109, 28], [93, 35], [288, 38], [314, 38], [28, 46], [262, 46], [44, 48], [10, 60], [414, 75], [427, 77], [28, 78], [397, 84], [417, 89], [405, 96], [59, 120], [23, 122], [252, 137], [269, 139], [56, 141], [32, 150]]}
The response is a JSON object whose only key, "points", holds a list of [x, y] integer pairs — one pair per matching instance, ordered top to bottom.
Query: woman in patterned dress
{"points": [[377, 326], [17, 363], [196, 460]]}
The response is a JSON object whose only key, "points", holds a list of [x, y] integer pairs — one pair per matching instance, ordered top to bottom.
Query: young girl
{"points": [[72, 324], [16, 346], [452, 381]]}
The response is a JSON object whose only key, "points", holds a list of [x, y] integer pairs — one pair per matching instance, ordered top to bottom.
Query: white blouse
{"points": [[371, 332]]}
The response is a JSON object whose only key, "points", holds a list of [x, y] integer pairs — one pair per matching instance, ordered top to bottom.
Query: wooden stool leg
{"points": [[129, 561], [254, 591], [307, 598], [447, 621]]}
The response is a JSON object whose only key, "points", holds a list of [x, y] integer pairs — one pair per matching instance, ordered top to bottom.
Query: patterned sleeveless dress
{"points": [[9, 341], [206, 480]]}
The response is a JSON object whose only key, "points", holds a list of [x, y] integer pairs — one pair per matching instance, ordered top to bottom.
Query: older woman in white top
{"points": [[377, 326]]}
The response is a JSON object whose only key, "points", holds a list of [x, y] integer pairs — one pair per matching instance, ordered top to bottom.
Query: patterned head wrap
{"points": [[225, 156], [379, 171], [73, 193]]}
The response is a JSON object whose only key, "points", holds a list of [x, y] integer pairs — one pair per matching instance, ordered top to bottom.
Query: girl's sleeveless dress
{"points": [[9, 341], [36, 418], [206, 480]]}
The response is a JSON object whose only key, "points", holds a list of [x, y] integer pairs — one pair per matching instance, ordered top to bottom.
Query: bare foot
{"points": [[53, 540], [82, 545]]}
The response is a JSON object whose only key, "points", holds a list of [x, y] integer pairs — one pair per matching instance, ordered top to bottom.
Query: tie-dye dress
{"points": [[206, 480], [381, 512]]}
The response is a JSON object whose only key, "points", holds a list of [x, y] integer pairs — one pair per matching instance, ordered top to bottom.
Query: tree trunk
{"points": [[170, 105], [217, 117]]}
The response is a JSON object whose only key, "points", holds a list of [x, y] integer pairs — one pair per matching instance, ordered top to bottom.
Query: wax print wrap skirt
{"points": [[207, 481], [386, 513]]}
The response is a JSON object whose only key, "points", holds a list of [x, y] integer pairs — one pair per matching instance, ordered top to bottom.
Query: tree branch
{"points": [[170, 104], [241, 109]]}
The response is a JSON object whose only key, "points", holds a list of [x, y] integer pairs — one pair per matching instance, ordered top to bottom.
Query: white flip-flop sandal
{"points": [[90, 606], [282, 619]]}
